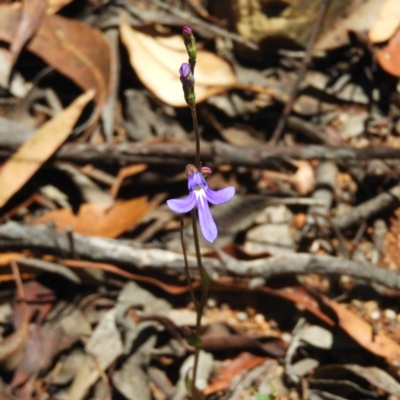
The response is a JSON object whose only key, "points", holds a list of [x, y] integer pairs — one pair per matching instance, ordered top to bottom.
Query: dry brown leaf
{"points": [[54, 5], [387, 23], [73, 48], [389, 57], [157, 60], [17, 170], [101, 219], [362, 332]]}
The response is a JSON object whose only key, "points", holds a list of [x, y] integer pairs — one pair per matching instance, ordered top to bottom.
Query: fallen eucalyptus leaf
{"points": [[387, 22], [156, 60], [39, 147]]}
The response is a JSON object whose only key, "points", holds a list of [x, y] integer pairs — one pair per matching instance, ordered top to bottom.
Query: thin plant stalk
{"points": [[197, 138], [187, 273], [203, 276]]}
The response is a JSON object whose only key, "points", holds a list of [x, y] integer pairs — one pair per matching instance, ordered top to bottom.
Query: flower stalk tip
{"points": [[190, 43]]}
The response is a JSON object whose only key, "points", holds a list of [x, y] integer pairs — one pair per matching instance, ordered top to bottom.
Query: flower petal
{"points": [[196, 179], [220, 196], [182, 205], [207, 223]]}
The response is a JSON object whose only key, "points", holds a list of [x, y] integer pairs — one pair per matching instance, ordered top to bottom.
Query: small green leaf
{"points": [[205, 278], [194, 340], [197, 395], [260, 396]]}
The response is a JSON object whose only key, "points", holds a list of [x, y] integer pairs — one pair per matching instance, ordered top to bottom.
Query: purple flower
{"points": [[200, 195]]}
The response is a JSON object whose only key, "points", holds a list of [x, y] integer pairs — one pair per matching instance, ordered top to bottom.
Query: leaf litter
{"points": [[91, 268]]}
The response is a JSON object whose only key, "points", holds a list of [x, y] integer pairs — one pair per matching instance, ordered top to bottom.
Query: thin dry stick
{"points": [[189, 19], [303, 68], [20, 288]]}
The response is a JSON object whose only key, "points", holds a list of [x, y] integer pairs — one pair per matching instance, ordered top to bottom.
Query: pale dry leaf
{"points": [[55, 5], [360, 19], [387, 22], [157, 59], [39, 148]]}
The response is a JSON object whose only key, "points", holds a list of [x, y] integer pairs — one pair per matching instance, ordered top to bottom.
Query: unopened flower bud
{"points": [[190, 43], [187, 80], [205, 171]]}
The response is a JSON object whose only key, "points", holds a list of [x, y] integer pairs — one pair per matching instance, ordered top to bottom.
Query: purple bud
{"points": [[186, 30], [190, 43], [184, 70], [187, 80], [205, 171]]}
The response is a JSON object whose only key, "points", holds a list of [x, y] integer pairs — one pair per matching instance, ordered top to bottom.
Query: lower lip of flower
{"points": [[200, 193]]}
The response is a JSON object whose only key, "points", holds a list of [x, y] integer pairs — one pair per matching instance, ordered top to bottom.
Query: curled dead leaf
{"points": [[73, 48]]}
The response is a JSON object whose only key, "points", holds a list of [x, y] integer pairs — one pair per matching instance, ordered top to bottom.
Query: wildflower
{"points": [[190, 43], [187, 80], [200, 195]]}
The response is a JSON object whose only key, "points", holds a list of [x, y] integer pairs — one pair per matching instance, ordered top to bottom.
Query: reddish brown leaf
{"points": [[73, 48], [389, 56], [101, 219], [362, 332], [243, 362]]}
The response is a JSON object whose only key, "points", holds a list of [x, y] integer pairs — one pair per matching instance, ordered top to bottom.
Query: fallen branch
{"points": [[181, 153], [16, 236]]}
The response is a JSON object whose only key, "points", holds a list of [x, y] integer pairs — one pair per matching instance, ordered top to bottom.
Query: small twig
{"points": [[188, 19], [303, 69], [370, 208]]}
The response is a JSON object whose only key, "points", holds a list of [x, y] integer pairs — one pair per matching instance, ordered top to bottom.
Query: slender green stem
{"points": [[197, 138], [203, 273], [203, 296], [195, 302]]}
